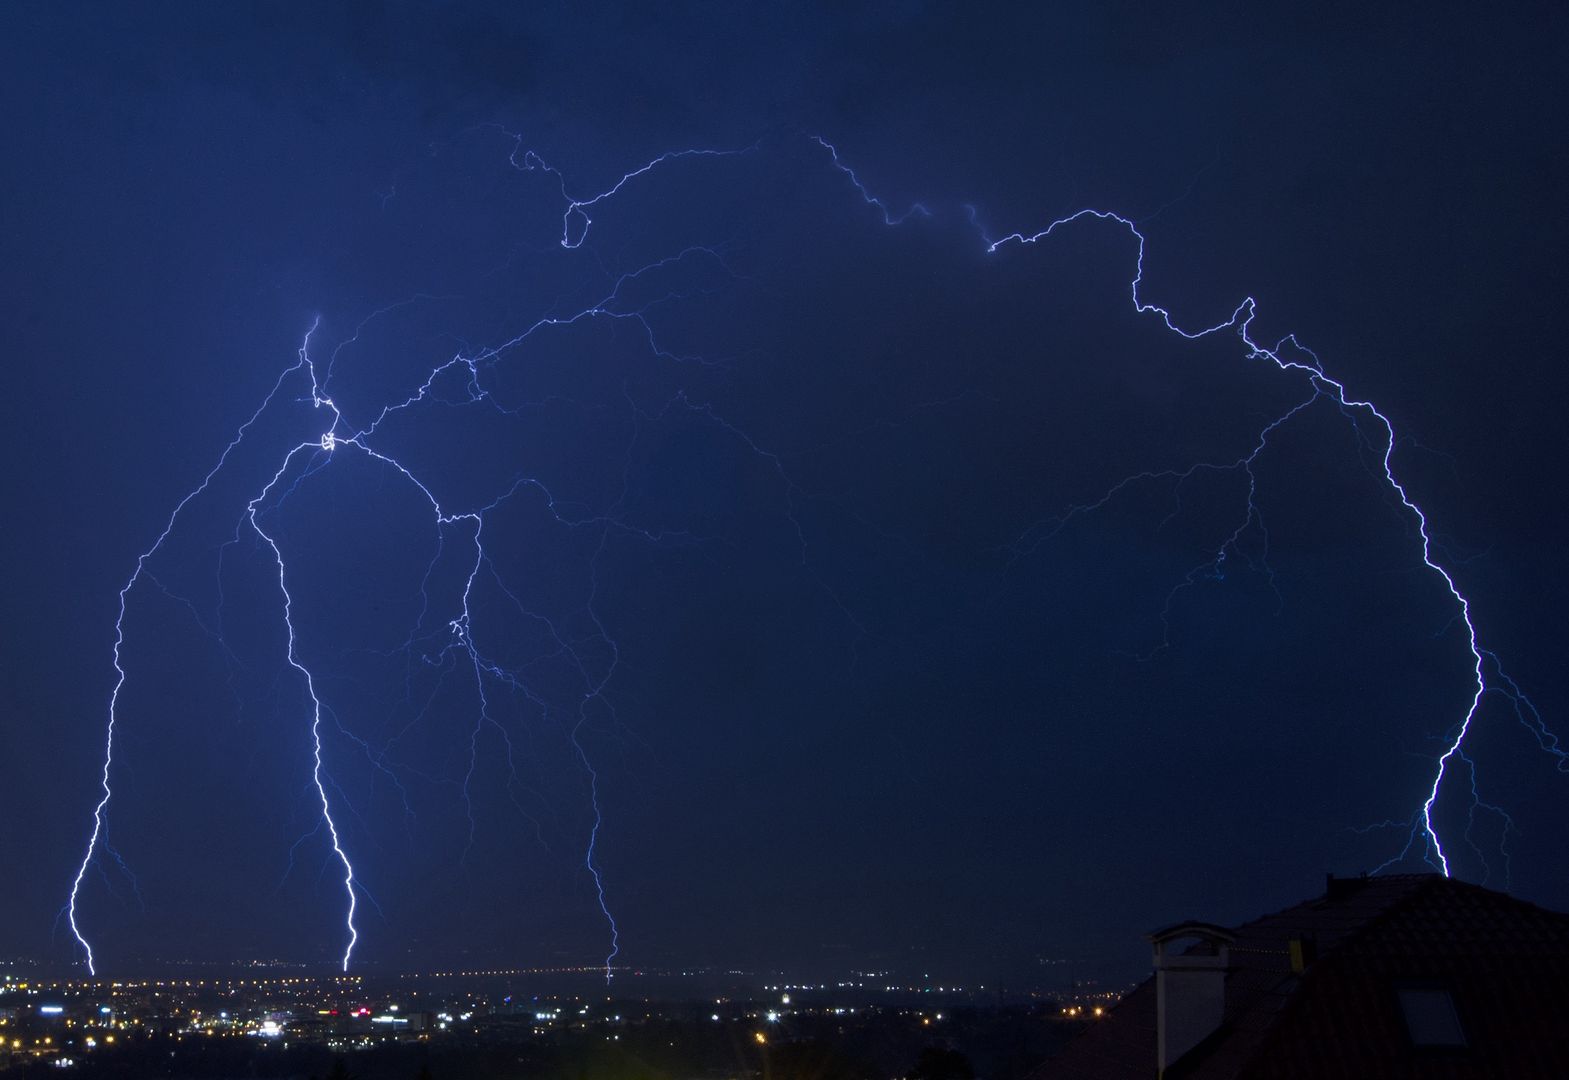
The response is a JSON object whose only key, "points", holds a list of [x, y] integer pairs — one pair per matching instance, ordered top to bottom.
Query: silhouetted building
{"points": [[1412, 975]]}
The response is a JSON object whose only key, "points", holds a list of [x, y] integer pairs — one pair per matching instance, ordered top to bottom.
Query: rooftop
{"points": [[1317, 990]]}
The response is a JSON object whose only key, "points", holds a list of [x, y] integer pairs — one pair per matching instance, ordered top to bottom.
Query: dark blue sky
{"points": [[850, 717]]}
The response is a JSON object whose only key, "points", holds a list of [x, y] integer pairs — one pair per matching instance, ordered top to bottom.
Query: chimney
{"points": [[1339, 888], [1190, 987]]}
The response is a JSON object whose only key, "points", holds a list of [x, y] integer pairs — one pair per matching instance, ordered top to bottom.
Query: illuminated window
{"points": [[1431, 1018]]}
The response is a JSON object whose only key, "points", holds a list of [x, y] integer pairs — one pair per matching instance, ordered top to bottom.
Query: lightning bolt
{"points": [[1287, 355], [1301, 362], [332, 441], [310, 689], [100, 809]]}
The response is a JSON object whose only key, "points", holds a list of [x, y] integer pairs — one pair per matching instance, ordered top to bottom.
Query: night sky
{"points": [[784, 557]]}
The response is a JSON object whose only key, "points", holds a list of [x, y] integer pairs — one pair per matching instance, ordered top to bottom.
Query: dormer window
{"points": [[1431, 1019]]}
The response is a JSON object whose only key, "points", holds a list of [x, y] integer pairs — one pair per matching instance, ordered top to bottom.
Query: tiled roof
{"points": [[1504, 961]]}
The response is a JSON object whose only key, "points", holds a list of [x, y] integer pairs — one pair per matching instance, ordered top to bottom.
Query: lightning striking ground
{"points": [[1240, 323], [1287, 355], [316, 707], [95, 837]]}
